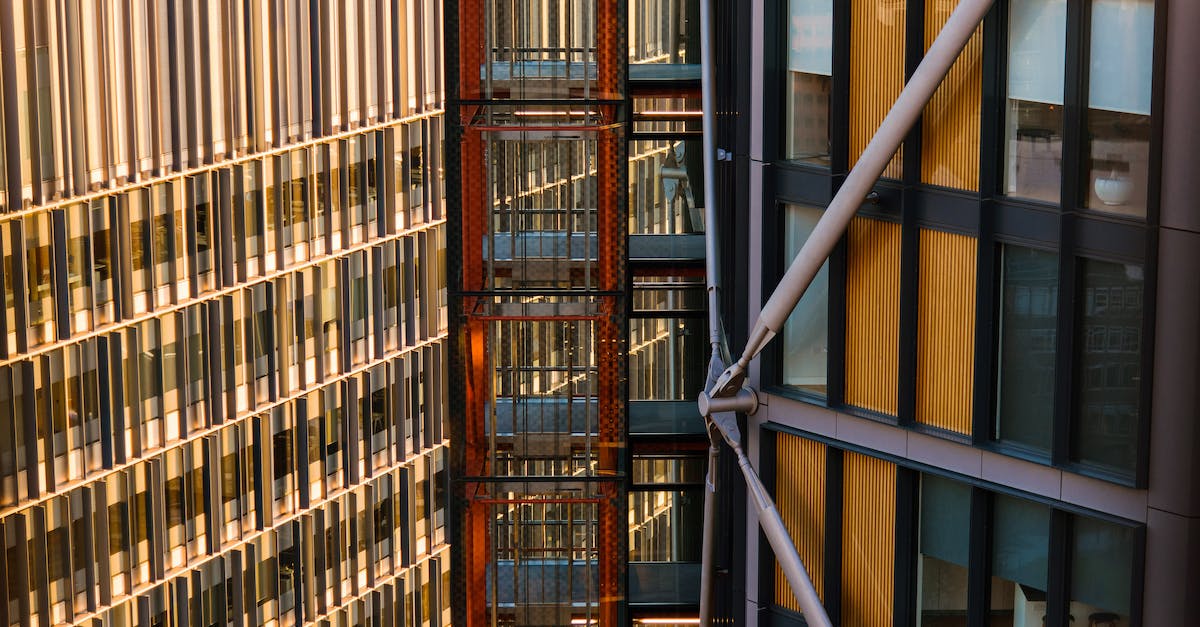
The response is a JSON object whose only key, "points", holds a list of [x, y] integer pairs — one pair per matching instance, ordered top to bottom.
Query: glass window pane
{"points": [[1036, 60], [809, 65], [1118, 114], [665, 185], [162, 197], [141, 254], [79, 268], [40, 278], [1028, 319], [806, 333], [667, 358], [1108, 365], [665, 526], [945, 543], [1020, 548], [1101, 572]]}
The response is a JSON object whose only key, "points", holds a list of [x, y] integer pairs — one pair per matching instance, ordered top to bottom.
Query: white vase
{"points": [[1113, 189]]}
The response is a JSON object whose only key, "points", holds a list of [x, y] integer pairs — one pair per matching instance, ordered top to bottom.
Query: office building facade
{"points": [[222, 373], [983, 411]]}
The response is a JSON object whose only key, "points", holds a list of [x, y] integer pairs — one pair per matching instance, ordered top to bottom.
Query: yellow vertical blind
{"points": [[876, 71], [950, 131], [872, 314], [946, 330], [800, 495], [868, 540]]}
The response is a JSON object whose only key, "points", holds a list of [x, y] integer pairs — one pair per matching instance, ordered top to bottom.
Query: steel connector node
{"points": [[730, 382], [745, 401]]}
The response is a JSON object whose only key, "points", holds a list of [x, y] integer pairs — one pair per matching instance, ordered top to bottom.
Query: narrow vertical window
{"points": [[1036, 60], [809, 72], [1118, 106], [162, 202], [140, 248], [79, 268], [39, 279], [1028, 322], [806, 333], [1108, 365], [944, 541], [1020, 559], [1101, 572]]}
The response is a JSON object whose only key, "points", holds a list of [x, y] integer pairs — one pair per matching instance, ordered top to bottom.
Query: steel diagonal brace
{"points": [[726, 393]]}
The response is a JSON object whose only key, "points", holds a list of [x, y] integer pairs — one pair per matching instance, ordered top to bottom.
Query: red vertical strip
{"points": [[470, 49], [608, 49], [474, 209], [608, 224], [476, 389], [610, 528], [476, 550]]}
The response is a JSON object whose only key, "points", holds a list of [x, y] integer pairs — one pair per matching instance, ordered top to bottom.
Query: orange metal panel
{"points": [[470, 47], [609, 53], [876, 71], [950, 132], [474, 210], [610, 227], [873, 315], [946, 330], [476, 389], [800, 490], [613, 525], [475, 539], [868, 540]]}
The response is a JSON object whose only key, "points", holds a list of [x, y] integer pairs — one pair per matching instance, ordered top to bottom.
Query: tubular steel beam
{"points": [[708, 106]]}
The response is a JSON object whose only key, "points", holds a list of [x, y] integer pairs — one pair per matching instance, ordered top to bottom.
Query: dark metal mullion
{"points": [[995, 27], [774, 96], [839, 97], [1073, 134], [839, 164], [1150, 267], [62, 293], [835, 374], [906, 376], [1146, 389], [769, 471], [833, 534], [905, 558], [1059, 567], [979, 571], [1137, 592]]}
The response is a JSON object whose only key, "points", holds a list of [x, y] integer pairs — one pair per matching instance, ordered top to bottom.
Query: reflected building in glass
{"points": [[223, 355]]}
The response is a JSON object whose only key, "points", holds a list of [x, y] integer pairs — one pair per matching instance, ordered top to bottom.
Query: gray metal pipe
{"points": [[708, 105], [862, 177], [710, 519], [785, 552]]}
